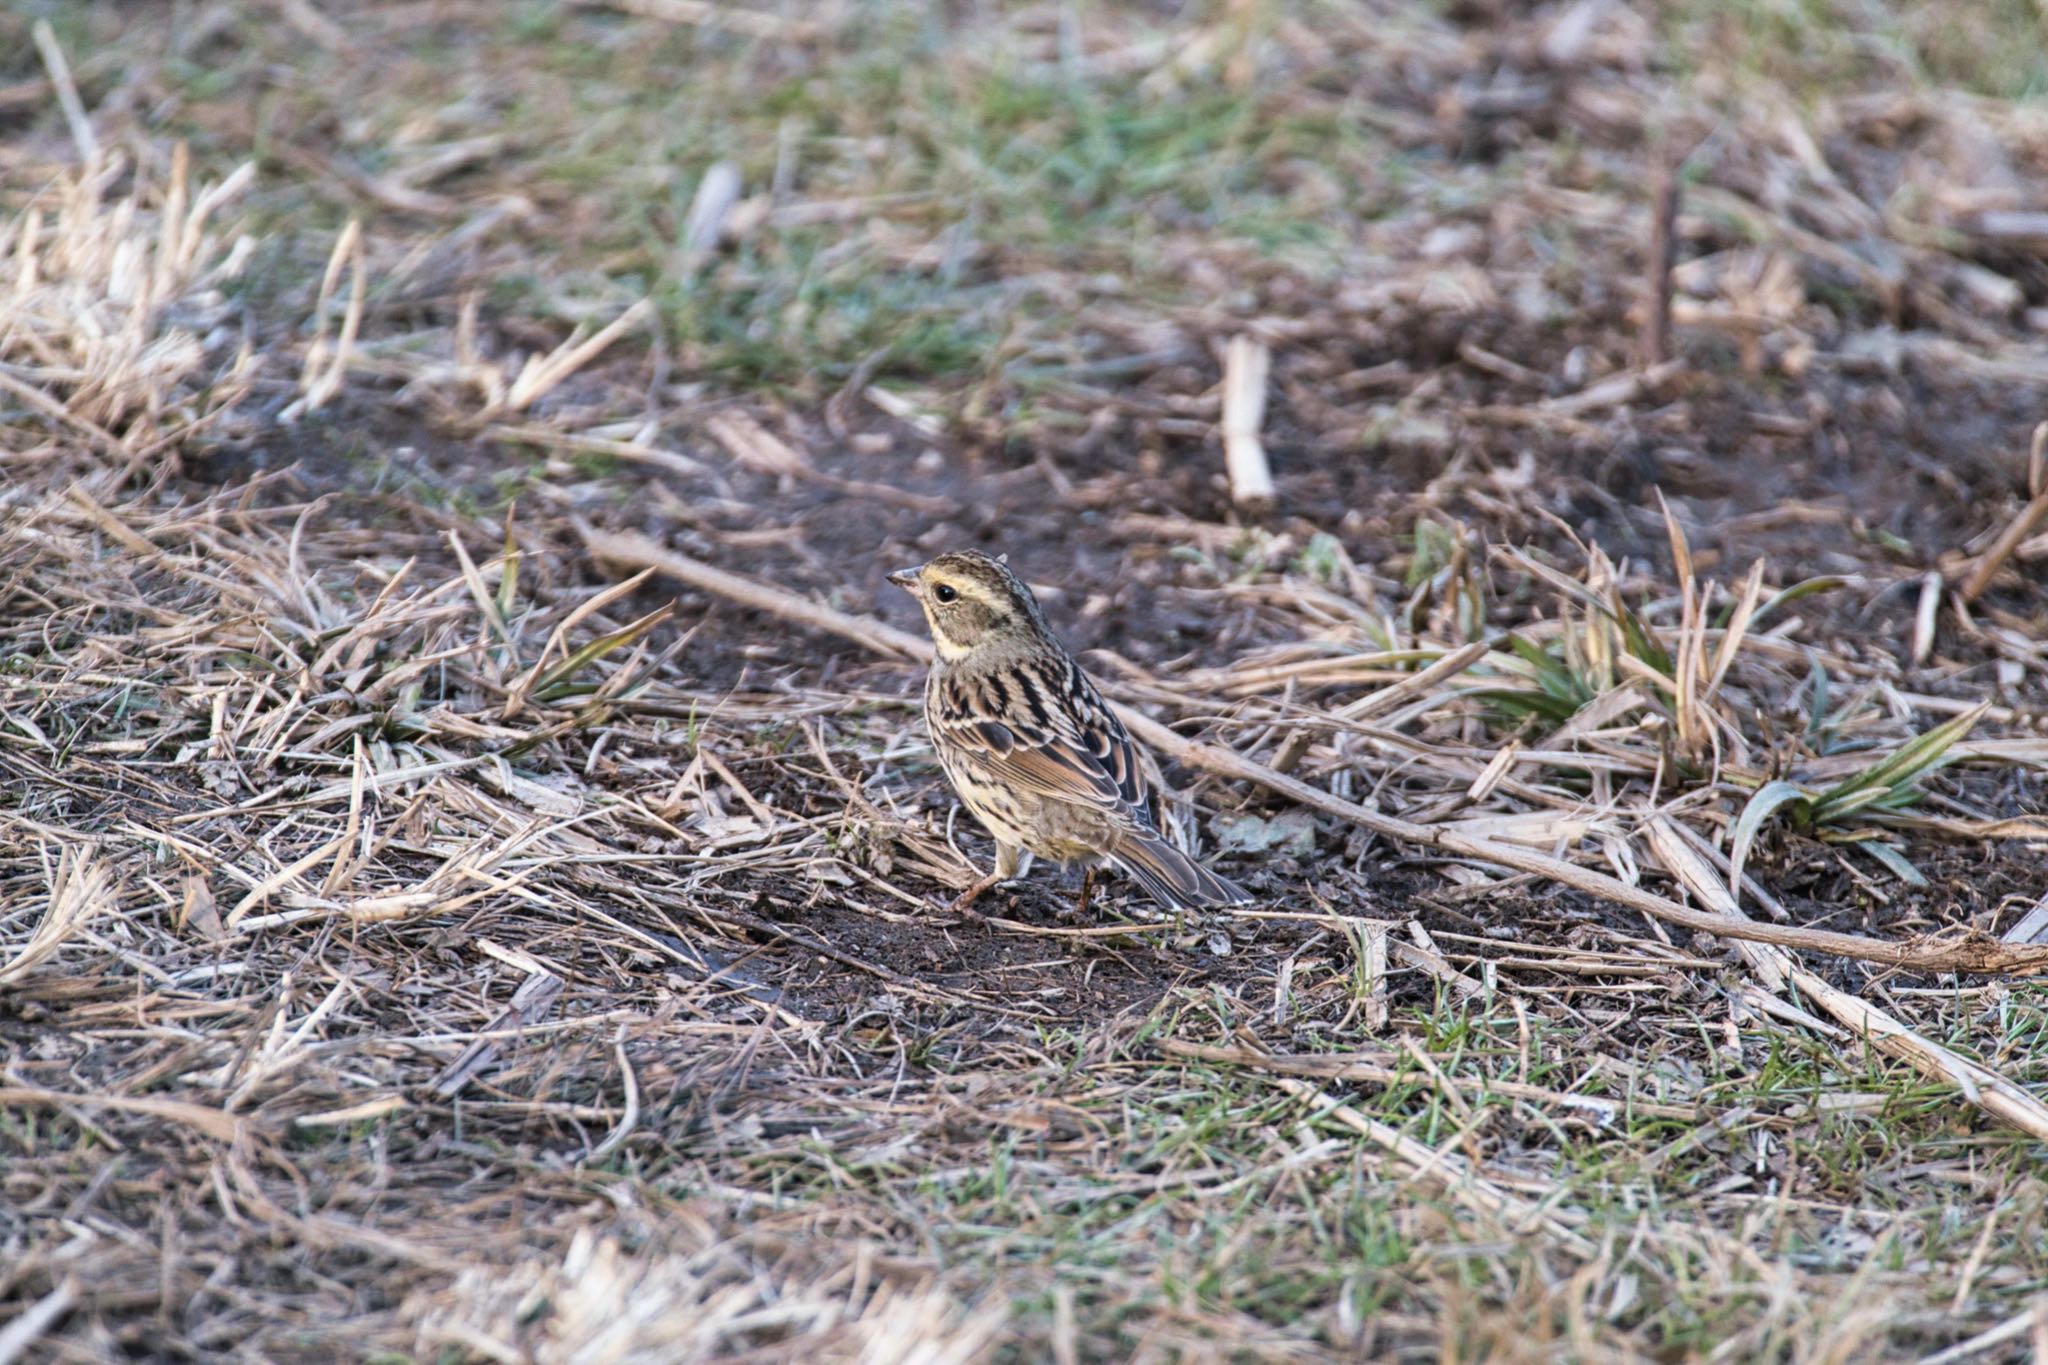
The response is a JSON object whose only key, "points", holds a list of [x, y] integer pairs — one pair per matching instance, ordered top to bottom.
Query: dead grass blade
{"points": [[67, 92], [114, 311], [326, 365], [541, 375], [2018, 529], [79, 894], [2031, 927], [1975, 954], [529, 1005], [1978, 1084], [783, 1106], [217, 1124], [2031, 1320], [21, 1333]]}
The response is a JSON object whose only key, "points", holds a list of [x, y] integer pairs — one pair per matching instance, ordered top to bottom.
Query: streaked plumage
{"points": [[1030, 746]]}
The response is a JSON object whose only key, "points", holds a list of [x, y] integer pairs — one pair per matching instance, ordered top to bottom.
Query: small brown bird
{"points": [[1029, 744]]}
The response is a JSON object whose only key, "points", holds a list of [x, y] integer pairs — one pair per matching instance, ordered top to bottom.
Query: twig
{"points": [[1611, 392], [535, 434], [628, 547], [1980, 1085], [355, 1113]]}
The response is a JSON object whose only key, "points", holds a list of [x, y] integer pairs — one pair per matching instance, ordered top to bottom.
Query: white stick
{"points": [[716, 193], [1245, 366]]}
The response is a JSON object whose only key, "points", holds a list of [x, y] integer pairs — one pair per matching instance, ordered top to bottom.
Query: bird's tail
{"points": [[1172, 878]]}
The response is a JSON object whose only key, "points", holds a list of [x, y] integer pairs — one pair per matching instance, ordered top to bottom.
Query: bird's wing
{"points": [[1059, 740]]}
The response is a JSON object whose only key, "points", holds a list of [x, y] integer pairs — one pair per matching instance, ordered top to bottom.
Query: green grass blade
{"points": [[508, 581], [1787, 596], [1642, 641], [1547, 673], [545, 686], [1526, 702], [1816, 714], [1905, 765], [1768, 800], [1850, 804], [1894, 862]]}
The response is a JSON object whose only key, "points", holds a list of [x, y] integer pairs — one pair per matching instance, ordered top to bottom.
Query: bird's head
{"points": [[970, 601]]}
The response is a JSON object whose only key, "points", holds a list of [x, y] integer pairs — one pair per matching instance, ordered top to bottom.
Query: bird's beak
{"points": [[905, 579]]}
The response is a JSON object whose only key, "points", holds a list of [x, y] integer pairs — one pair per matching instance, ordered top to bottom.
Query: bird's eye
{"points": [[945, 592]]}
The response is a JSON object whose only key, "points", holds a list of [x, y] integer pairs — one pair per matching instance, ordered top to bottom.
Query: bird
{"points": [[1030, 746]]}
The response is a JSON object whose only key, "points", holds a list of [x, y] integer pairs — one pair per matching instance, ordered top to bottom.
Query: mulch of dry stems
{"points": [[380, 972]]}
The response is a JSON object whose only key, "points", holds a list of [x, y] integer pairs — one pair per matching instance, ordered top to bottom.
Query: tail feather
{"points": [[1172, 878]]}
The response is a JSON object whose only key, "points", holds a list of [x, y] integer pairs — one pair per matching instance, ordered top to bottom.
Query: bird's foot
{"points": [[963, 904], [1079, 910]]}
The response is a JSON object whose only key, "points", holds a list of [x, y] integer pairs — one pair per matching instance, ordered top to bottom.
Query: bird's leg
{"points": [[1008, 858], [1087, 893]]}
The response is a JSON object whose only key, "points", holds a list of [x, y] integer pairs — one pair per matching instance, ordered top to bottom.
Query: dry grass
{"points": [[114, 321], [422, 941]]}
